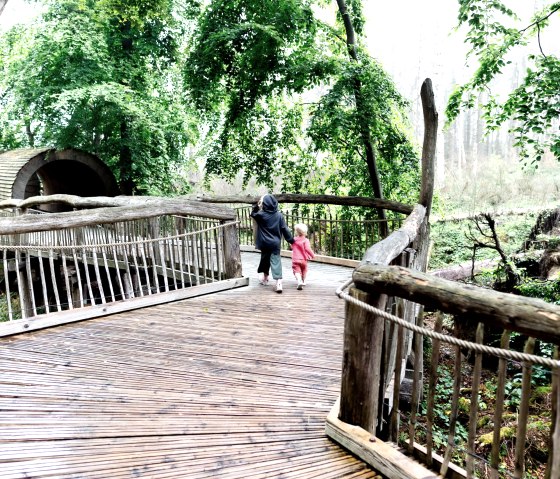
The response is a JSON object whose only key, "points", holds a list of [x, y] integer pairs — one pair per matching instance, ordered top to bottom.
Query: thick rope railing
{"points": [[120, 243], [479, 348]]}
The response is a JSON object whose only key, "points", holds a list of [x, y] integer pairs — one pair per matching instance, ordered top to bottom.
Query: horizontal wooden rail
{"points": [[314, 199], [134, 207], [388, 249], [531, 316]]}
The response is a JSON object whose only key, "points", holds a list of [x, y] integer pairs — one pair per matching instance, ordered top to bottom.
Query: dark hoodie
{"points": [[271, 226]]}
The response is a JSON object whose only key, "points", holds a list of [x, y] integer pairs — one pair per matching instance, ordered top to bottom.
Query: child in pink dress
{"points": [[301, 252]]}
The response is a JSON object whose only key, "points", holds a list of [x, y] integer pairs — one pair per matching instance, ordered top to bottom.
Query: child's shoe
{"points": [[299, 281], [278, 286]]}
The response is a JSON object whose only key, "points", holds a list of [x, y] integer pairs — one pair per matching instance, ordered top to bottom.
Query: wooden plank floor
{"points": [[231, 385]]}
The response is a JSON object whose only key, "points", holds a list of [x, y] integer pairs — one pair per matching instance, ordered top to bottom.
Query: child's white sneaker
{"points": [[300, 285]]}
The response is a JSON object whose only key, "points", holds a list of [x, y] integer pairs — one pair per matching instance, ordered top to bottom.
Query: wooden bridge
{"points": [[166, 380], [231, 385]]}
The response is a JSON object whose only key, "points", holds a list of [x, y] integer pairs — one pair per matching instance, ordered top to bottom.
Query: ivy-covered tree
{"points": [[494, 30], [97, 75], [291, 95]]}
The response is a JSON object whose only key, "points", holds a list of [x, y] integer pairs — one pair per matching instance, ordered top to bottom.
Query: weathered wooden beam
{"points": [[429, 145], [314, 199], [122, 209], [388, 249], [232, 253], [531, 316], [360, 378]]}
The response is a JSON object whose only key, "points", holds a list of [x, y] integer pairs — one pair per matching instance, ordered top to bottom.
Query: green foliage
{"points": [[261, 61], [95, 75], [535, 104], [451, 245], [548, 291]]}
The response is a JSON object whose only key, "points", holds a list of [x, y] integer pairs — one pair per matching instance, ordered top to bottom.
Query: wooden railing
{"points": [[330, 232], [115, 254], [384, 399]]}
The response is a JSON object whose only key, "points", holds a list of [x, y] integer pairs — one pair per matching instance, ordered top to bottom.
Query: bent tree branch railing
{"points": [[112, 255]]}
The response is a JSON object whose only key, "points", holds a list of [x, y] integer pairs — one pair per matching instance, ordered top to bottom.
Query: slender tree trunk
{"points": [[2, 5], [362, 113], [29, 132], [127, 184]]}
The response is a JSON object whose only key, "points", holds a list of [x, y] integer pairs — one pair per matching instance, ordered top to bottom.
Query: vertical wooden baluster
{"points": [[106, 240], [218, 242], [142, 246], [114, 252], [125, 252], [151, 253], [172, 253], [188, 254], [202, 256], [212, 256], [180, 258], [163, 261], [196, 265], [98, 273], [29, 274], [87, 275], [79, 276], [53, 277], [66, 278], [136, 278], [43, 281], [7, 283], [22, 286], [436, 343], [416, 383], [474, 404], [499, 408], [454, 410], [394, 424], [521, 435], [553, 466]]}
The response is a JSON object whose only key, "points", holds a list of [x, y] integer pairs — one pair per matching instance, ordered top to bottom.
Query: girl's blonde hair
{"points": [[301, 229]]}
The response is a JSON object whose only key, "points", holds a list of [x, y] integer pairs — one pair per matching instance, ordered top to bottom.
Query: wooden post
{"points": [[429, 145], [232, 252], [361, 364]]}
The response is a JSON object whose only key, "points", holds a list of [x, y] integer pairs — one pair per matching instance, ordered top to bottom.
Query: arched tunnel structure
{"points": [[47, 171]]}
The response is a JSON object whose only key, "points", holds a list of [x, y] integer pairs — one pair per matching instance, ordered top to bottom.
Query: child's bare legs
{"points": [[297, 269]]}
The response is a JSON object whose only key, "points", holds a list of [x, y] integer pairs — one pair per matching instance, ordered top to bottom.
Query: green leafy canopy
{"points": [[534, 105]]}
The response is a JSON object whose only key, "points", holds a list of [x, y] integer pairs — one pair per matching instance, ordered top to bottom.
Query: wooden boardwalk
{"points": [[231, 385]]}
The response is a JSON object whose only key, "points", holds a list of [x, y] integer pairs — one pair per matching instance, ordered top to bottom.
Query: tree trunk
{"points": [[2, 5], [365, 132], [126, 183]]}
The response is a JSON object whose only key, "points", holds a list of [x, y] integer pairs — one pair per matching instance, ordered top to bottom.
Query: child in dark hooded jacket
{"points": [[271, 229]]}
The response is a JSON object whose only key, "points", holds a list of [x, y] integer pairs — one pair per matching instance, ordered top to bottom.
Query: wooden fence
{"points": [[331, 231], [96, 261], [437, 409]]}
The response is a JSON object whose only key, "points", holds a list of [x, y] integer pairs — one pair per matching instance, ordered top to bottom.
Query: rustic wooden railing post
{"points": [[429, 145], [232, 251], [361, 363]]}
